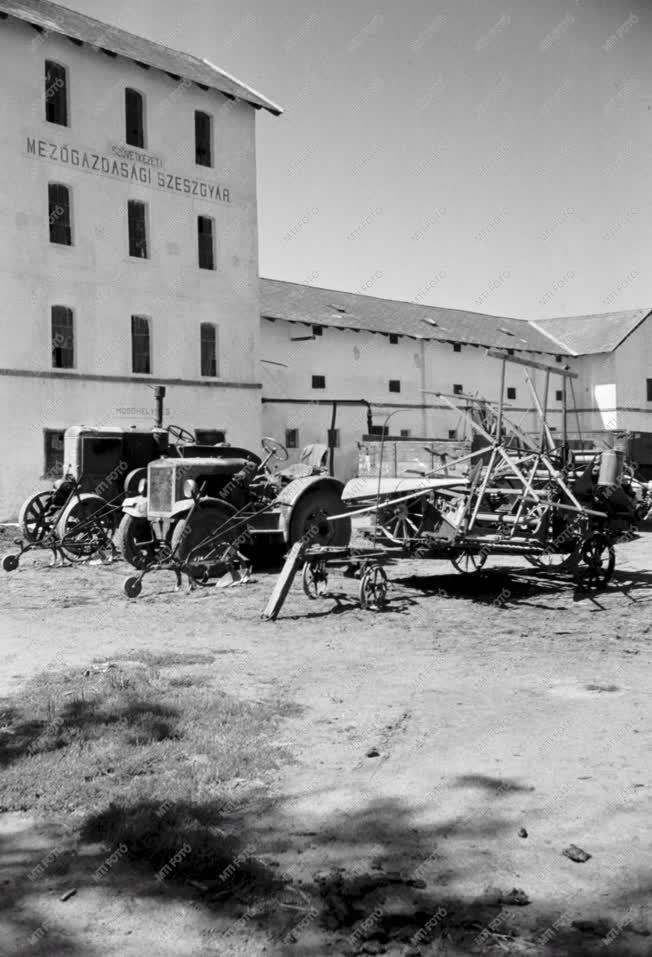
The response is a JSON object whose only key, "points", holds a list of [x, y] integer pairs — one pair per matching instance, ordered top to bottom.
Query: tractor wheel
{"points": [[32, 517], [309, 522], [85, 526], [207, 540], [136, 542]]}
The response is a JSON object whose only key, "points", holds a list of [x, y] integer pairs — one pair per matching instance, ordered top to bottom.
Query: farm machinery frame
{"points": [[514, 495]]}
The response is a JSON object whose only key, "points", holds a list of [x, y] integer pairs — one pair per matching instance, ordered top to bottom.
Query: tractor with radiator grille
{"points": [[204, 514]]}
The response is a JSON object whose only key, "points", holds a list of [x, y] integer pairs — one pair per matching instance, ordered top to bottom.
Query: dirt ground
{"points": [[445, 753]]}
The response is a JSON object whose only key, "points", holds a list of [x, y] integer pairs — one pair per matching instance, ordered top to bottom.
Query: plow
{"points": [[514, 495]]}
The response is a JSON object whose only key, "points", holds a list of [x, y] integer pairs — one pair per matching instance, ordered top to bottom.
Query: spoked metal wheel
{"points": [[32, 517], [399, 522], [85, 527], [597, 560], [468, 562], [315, 579], [373, 588]]}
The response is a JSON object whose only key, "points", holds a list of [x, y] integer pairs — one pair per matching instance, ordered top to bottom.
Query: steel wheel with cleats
{"points": [[468, 562]]}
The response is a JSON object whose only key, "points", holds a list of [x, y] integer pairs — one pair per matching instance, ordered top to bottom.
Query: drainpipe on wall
{"points": [[422, 347]]}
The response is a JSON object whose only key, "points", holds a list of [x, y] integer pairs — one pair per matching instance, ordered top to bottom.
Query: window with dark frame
{"points": [[56, 93], [134, 118], [203, 139], [59, 214], [137, 214], [206, 242], [317, 331], [208, 335], [393, 339], [63, 342], [140, 345], [457, 347], [319, 382], [394, 385], [457, 389], [649, 390], [511, 392], [559, 395], [382, 430], [405, 433], [452, 433], [210, 436], [333, 437], [292, 438], [53, 449]]}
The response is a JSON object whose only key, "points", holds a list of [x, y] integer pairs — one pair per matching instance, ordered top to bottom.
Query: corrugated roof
{"points": [[57, 19], [294, 302], [587, 335]]}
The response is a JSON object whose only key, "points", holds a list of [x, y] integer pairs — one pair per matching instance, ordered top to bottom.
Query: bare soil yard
{"points": [[335, 782]]}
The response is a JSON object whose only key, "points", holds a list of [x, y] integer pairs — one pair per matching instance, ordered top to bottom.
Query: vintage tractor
{"points": [[78, 514], [200, 514]]}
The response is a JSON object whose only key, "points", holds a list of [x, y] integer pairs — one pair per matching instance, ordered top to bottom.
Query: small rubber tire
{"points": [[10, 563], [132, 586]]}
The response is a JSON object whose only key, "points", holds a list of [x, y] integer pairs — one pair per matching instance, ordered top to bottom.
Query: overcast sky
{"points": [[491, 155]]}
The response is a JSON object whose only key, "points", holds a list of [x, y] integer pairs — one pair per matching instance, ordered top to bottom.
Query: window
{"points": [[56, 93], [134, 118], [203, 139], [137, 212], [59, 214], [206, 241], [317, 331], [208, 334], [393, 339], [140, 345], [457, 347], [63, 350], [557, 358], [319, 382], [394, 385], [457, 389], [649, 389], [511, 392], [559, 395], [379, 430], [405, 433], [452, 433], [292, 438], [333, 438], [53, 447]]}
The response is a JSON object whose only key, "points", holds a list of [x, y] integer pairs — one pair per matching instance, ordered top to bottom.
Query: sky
{"points": [[490, 155]]}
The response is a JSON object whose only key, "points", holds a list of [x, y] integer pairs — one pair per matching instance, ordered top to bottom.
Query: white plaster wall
{"points": [[96, 277]]}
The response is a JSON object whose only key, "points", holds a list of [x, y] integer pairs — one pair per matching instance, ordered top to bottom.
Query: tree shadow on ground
{"points": [[364, 881]]}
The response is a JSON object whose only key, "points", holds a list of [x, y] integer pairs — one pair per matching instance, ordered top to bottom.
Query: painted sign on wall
{"points": [[138, 172]]}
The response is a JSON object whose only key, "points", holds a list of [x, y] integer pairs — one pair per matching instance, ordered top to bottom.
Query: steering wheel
{"points": [[183, 435], [274, 448]]}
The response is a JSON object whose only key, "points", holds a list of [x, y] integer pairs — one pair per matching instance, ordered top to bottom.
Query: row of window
{"points": [[57, 103], [61, 232], [63, 343], [319, 382]]}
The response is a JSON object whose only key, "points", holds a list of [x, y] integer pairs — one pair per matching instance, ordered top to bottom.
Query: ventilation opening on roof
{"points": [[337, 308], [506, 331]]}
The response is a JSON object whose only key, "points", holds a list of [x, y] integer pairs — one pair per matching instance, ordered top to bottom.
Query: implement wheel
{"points": [[32, 517], [469, 562], [596, 563], [314, 579], [373, 588]]}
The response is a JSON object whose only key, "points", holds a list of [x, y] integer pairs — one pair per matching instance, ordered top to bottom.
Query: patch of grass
{"points": [[169, 659], [80, 740]]}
